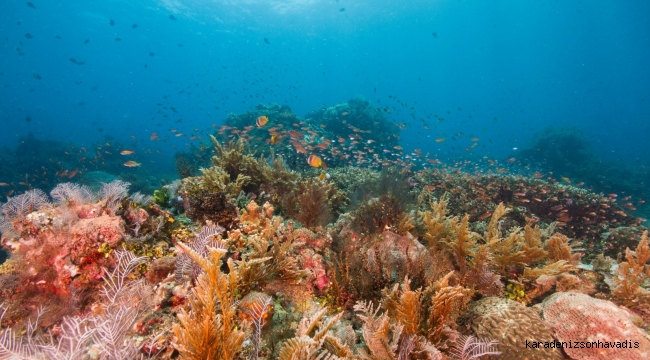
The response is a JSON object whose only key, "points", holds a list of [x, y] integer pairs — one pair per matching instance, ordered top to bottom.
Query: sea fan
{"points": [[114, 192], [69, 193], [141, 199], [21, 205], [185, 267], [115, 280], [257, 309], [472, 348]]}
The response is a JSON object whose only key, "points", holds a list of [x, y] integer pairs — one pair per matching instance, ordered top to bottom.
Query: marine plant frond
{"points": [[237, 160], [113, 193], [72, 194], [141, 199], [312, 199], [21, 205], [493, 229], [206, 237], [464, 244], [559, 249], [551, 269], [253, 272], [633, 272], [115, 280], [446, 305], [256, 306], [404, 306], [308, 324], [208, 330], [376, 330], [111, 331], [321, 345], [13, 346], [336, 347], [297, 348], [472, 348], [423, 349]]}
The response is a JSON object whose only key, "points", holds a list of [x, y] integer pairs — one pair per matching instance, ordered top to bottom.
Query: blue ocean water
{"points": [[88, 72]]}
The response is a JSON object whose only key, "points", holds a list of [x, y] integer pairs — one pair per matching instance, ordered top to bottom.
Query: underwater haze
{"points": [[529, 64]]}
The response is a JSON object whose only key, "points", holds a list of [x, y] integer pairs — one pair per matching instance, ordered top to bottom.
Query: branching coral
{"points": [[312, 202], [384, 205], [634, 272], [208, 330], [312, 340], [386, 340]]}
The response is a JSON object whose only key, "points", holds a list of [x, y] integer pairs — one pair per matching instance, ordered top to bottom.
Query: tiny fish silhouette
{"points": [[29, 4], [341, 9], [172, 17], [112, 22], [134, 26], [29, 36], [266, 40], [86, 41], [35, 75]]}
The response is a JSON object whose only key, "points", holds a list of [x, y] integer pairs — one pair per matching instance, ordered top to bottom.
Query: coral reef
{"points": [[581, 215], [249, 258]]}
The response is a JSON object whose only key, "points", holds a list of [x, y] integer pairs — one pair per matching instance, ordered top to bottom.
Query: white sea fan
{"points": [[172, 189], [113, 193], [73, 194], [141, 199], [21, 205], [115, 280], [257, 308], [472, 348]]}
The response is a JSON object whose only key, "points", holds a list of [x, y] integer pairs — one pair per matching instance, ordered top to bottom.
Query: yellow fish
{"points": [[439, 140], [565, 179]]}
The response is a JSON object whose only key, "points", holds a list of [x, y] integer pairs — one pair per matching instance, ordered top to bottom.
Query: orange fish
{"points": [[261, 121], [154, 136], [273, 139], [439, 140], [299, 148], [127, 152], [314, 161], [131, 163], [72, 173], [485, 215]]}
